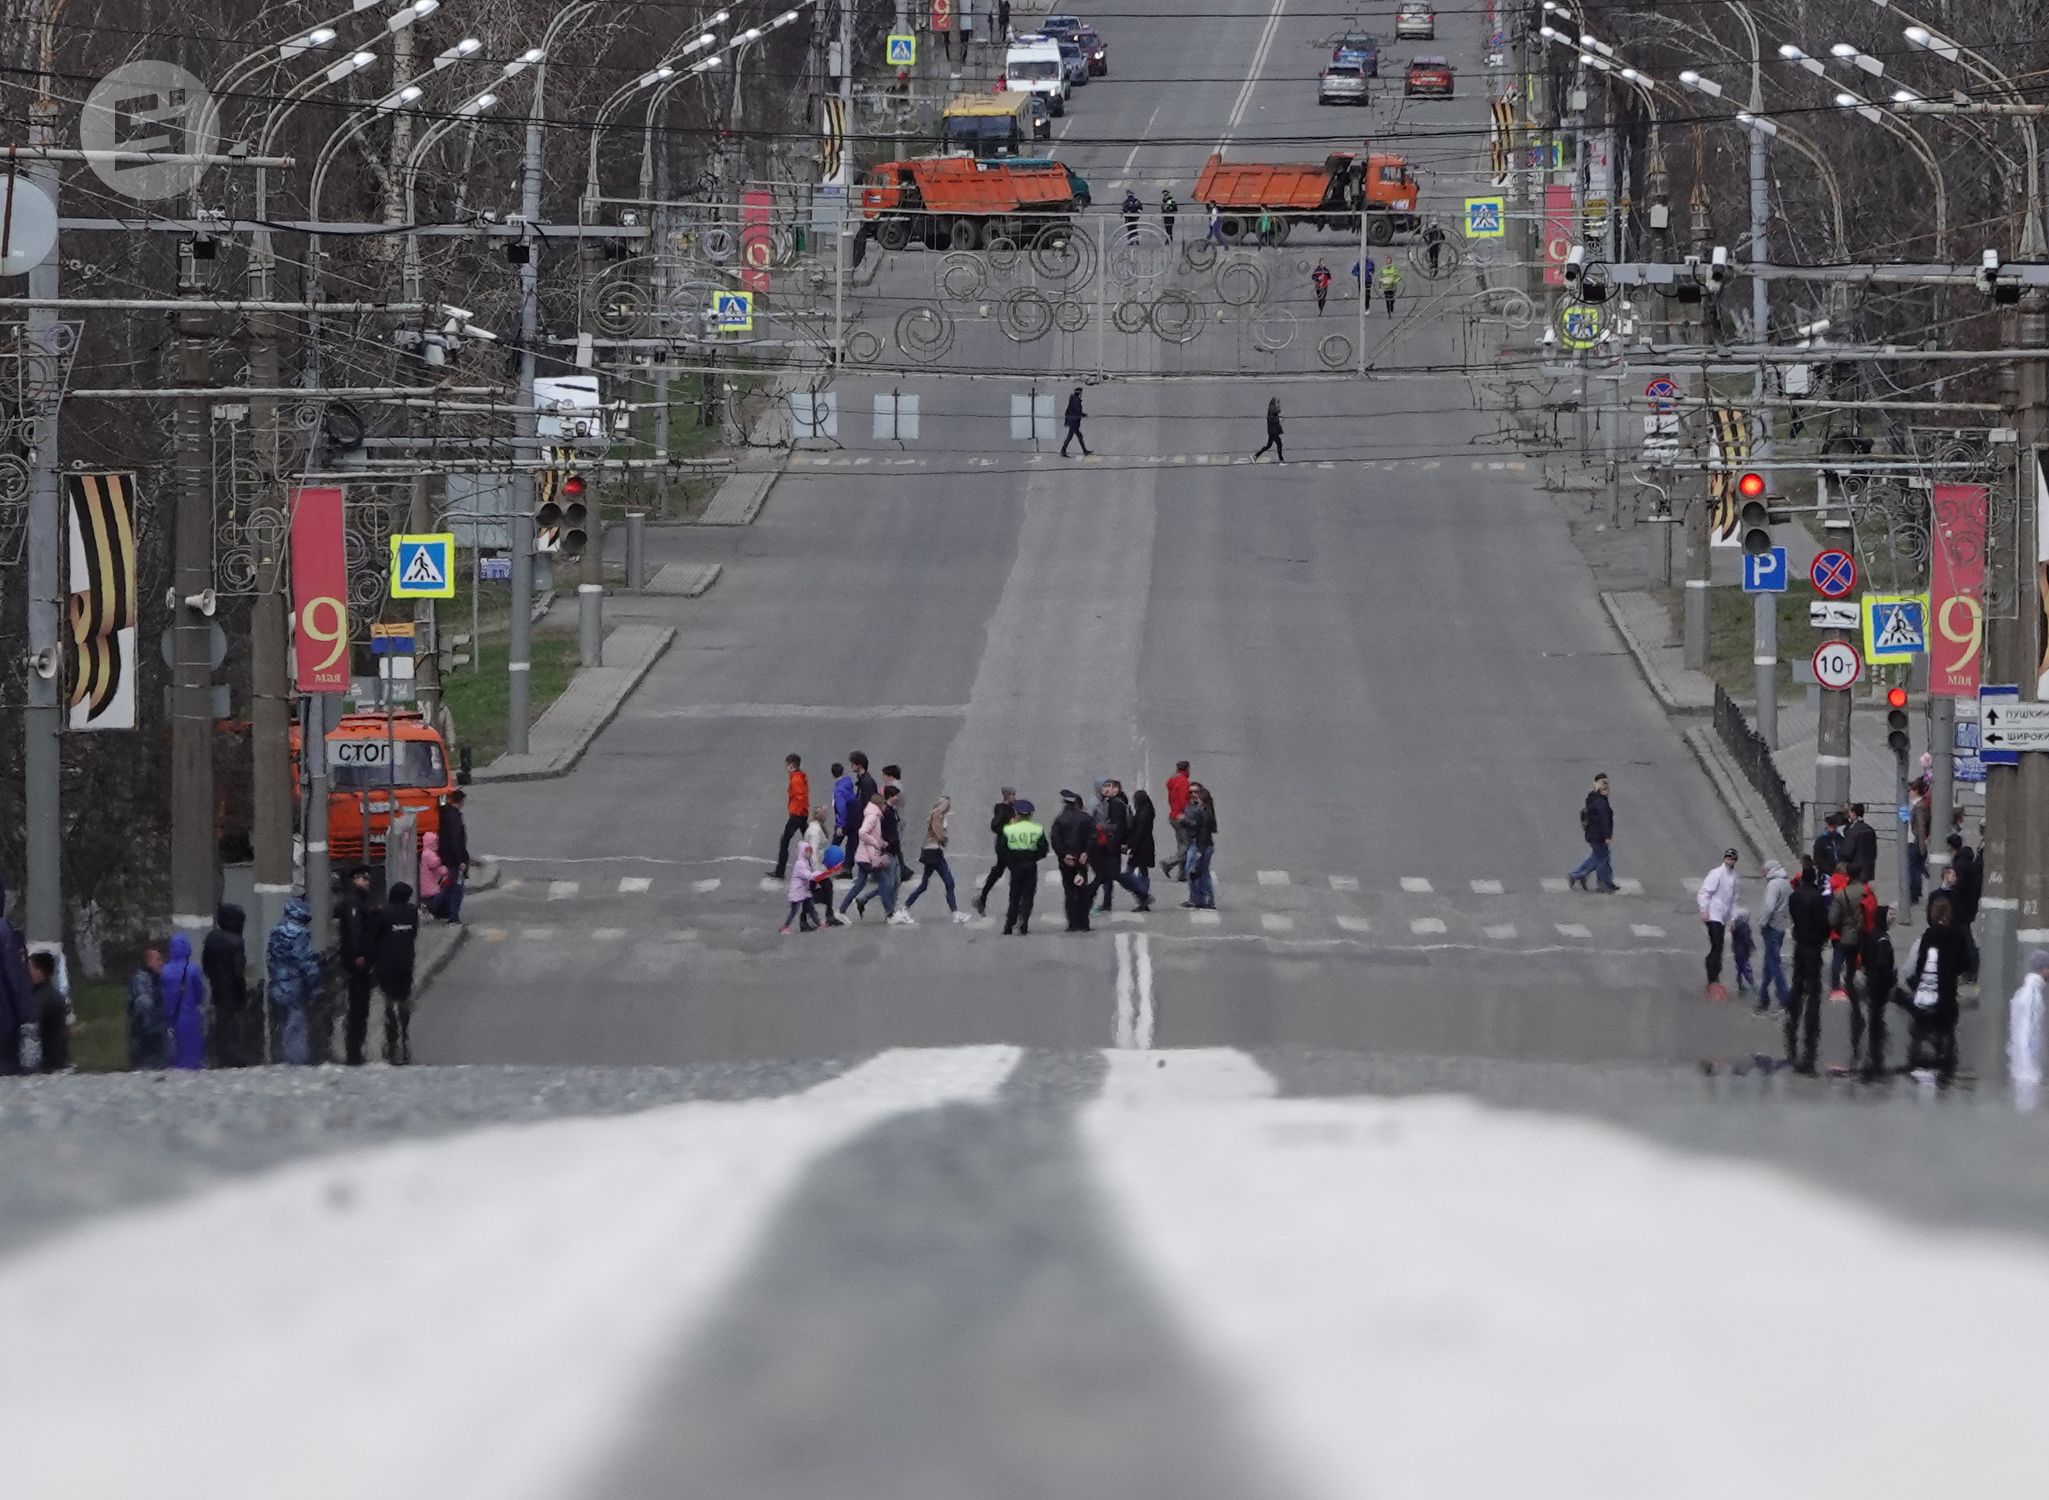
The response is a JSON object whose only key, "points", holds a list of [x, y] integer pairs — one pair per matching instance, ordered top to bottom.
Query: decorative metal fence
{"points": [[1750, 752]]}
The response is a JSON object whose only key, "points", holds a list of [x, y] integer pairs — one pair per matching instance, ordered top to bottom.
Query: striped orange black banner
{"points": [[1498, 140], [1731, 440], [102, 601]]}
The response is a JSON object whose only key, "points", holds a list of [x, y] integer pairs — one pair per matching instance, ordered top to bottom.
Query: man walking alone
{"points": [[1074, 419], [1597, 827], [1717, 902]]}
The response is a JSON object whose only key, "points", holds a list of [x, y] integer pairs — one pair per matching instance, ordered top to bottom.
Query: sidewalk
{"points": [[559, 737]]}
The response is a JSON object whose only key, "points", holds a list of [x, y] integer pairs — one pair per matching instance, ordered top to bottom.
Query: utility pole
{"points": [[1698, 522], [1764, 631], [270, 707], [43, 718], [193, 833]]}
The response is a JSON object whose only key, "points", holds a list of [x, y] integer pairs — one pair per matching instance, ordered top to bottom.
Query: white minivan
{"points": [[1033, 66]]}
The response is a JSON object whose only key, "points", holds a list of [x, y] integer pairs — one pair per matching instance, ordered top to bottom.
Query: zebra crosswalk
{"points": [[1077, 1241]]}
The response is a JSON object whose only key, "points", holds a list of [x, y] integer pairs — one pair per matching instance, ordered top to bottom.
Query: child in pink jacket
{"points": [[802, 873], [433, 876]]}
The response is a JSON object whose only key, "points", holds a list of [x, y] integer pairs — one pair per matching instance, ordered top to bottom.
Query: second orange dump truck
{"points": [[1330, 194], [953, 203]]}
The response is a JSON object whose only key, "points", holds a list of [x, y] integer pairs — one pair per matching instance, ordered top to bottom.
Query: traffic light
{"points": [[574, 498], [1755, 517], [1896, 721]]}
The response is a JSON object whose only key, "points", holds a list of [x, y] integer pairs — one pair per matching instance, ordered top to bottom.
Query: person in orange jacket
{"points": [[797, 804]]}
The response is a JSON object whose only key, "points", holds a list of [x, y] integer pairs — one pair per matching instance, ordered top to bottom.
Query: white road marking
{"points": [[1252, 71], [1273, 877], [1344, 882], [511, 883], [770, 883], [1555, 883], [635, 885], [1416, 885], [1630, 885], [705, 886], [1486, 888], [562, 890], [1206, 918], [1275, 922], [1354, 924], [1423, 925], [1572, 930], [1646, 930], [1501, 932], [537, 934], [607, 934], [1142, 975], [1134, 1021], [1194, 1075], [518, 1241], [1419, 1317]]}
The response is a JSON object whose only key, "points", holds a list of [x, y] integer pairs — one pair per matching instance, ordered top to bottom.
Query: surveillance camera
{"points": [[1721, 255], [1575, 266], [1988, 273], [1716, 276]]}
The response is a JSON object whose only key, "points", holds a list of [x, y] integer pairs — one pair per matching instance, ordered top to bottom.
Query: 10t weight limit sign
{"points": [[1837, 664]]}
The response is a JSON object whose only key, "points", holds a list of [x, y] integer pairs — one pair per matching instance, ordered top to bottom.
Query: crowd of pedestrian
{"points": [[1097, 848]]}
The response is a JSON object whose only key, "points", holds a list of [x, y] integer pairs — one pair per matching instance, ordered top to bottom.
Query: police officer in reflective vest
{"points": [[1024, 845]]}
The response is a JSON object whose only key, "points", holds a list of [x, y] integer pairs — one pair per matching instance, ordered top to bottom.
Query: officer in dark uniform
{"points": [[1074, 839], [1024, 845]]}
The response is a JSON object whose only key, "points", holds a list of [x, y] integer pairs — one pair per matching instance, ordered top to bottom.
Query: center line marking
{"points": [[1258, 65]]}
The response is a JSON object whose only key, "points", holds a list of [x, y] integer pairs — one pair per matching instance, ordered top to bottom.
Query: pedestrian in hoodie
{"points": [[1075, 414], [1273, 433], [893, 779], [1000, 817], [1199, 820], [1597, 827], [843, 828], [932, 859], [893, 865], [821, 871], [433, 874], [801, 876], [1716, 900], [1807, 911], [1772, 916], [1846, 920], [398, 932], [1742, 944], [225, 962], [1881, 978], [292, 981], [184, 990], [16, 1013], [55, 1020], [2024, 1026], [149, 1041]]}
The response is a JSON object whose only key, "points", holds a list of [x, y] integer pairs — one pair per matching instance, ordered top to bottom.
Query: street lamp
{"points": [[1951, 51], [1844, 52], [1793, 54], [660, 73]]}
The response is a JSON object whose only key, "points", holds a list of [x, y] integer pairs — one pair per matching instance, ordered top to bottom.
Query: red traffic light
{"points": [[572, 486], [1750, 486], [1896, 697]]}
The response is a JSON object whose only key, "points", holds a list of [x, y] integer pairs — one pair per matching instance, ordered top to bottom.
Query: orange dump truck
{"points": [[1323, 195], [956, 203], [377, 762]]}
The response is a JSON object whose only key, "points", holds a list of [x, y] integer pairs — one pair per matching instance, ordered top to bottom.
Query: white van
{"points": [[1033, 66]]}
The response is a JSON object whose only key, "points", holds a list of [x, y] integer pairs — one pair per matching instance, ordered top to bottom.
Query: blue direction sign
{"points": [[1765, 572], [1833, 574], [1993, 697], [1966, 764]]}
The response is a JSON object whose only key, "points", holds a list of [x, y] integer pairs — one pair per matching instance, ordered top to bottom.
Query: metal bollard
{"points": [[636, 550]]}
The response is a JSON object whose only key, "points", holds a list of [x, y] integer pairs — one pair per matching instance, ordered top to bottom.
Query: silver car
{"points": [[1074, 63], [1342, 83]]}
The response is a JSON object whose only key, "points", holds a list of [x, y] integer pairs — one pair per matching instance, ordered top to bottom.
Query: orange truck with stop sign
{"points": [[1330, 194], [956, 203]]}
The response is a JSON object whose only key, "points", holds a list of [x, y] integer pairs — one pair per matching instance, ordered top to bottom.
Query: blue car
{"points": [[1357, 47]]}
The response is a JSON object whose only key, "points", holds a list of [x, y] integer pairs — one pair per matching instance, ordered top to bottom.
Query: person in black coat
{"points": [[1074, 416], [1273, 433], [1112, 815], [999, 819], [1073, 837], [1860, 845], [1828, 846], [1140, 853], [455, 854], [1807, 909], [359, 929], [398, 934], [225, 962], [1881, 978], [1929, 992], [16, 1009]]}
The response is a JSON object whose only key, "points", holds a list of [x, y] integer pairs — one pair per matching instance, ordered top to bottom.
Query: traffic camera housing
{"points": [[1575, 269], [1715, 274], [2003, 291]]}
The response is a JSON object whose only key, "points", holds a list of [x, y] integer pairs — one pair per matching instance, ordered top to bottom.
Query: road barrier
{"points": [[1750, 752]]}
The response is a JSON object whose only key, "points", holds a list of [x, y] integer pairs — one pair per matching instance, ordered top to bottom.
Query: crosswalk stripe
{"points": [[1273, 877], [1344, 882], [768, 883], [1555, 883], [634, 885], [1416, 885], [1630, 885], [705, 886], [1486, 887], [562, 890], [1206, 918], [1275, 922], [1355, 924], [1425, 925], [1572, 930], [1646, 930], [1501, 932], [492, 934], [537, 934], [607, 934], [1185, 1075]]}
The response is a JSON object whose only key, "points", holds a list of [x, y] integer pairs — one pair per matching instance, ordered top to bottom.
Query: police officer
{"points": [[1168, 208], [1073, 839], [1024, 845], [360, 924]]}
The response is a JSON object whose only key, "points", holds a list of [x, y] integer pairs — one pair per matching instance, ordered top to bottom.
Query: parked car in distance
{"points": [[1415, 22], [1060, 26], [1358, 47], [1094, 48], [1428, 77], [1341, 83]]}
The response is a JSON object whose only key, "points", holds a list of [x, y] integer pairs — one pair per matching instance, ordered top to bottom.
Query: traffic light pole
{"points": [[1764, 653]]}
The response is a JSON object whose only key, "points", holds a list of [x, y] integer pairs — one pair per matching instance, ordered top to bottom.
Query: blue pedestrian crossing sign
{"points": [[902, 50], [1485, 219], [733, 312], [423, 567], [1765, 572], [1895, 627]]}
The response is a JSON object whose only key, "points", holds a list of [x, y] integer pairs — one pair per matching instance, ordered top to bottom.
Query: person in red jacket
{"points": [[1177, 800], [798, 806]]}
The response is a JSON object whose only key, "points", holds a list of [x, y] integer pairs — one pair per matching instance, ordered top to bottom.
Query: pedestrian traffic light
{"points": [[575, 502], [1896, 721]]}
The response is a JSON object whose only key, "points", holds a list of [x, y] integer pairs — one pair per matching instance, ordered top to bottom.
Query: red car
{"points": [[1428, 76]]}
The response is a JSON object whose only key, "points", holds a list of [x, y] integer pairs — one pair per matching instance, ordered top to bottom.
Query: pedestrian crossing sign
{"points": [[902, 50], [1486, 219], [733, 312], [423, 567], [1895, 627]]}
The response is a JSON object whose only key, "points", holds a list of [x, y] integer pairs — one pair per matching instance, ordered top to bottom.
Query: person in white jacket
{"points": [[1717, 903], [2024, 1027]]}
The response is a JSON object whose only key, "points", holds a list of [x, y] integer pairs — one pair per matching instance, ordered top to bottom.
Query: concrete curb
{"points": [[739, 499], [686, 580], [1646, 665], [575, 719], [1753, 821]]}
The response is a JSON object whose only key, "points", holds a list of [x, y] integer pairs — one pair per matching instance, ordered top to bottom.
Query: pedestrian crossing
{"points": [[895, 462]]}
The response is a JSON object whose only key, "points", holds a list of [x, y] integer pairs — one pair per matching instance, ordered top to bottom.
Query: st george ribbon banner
{"points": [[1956, 589], [320, 592], [99, 657]]}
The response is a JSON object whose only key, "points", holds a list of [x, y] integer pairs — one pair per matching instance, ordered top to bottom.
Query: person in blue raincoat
{"points": [[292, 972], [184, 992]]}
